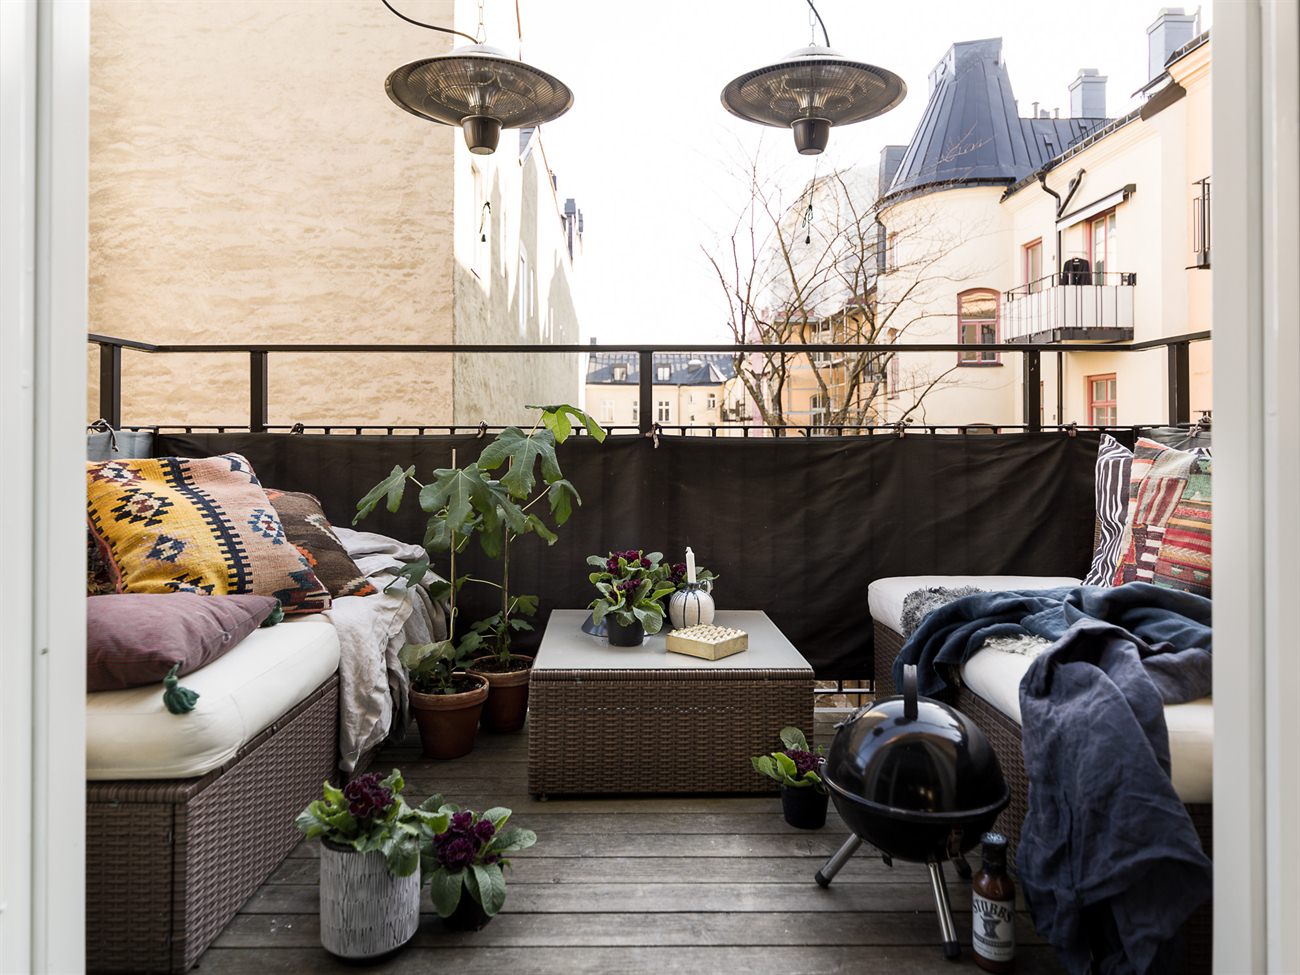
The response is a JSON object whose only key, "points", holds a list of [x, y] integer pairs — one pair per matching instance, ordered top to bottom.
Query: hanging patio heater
{"points": [[479, 88], [811, 90]]}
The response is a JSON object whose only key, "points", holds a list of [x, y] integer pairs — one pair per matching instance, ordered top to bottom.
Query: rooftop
{"points": [[972, 131], [684, 369]]}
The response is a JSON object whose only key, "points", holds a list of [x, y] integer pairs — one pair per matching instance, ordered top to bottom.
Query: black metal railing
{"points": [[259, 355]]}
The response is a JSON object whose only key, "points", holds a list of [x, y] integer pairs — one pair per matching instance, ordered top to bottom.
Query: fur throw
{"points": [[919, 603]]}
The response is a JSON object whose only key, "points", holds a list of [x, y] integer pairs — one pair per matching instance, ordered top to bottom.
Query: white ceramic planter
{"points": [[365, 912]]}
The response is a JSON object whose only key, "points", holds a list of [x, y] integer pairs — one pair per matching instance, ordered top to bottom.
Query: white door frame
{"points": [[44, 148], [1256, 253]]}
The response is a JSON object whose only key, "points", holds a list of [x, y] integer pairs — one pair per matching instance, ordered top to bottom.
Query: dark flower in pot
{"points": [[630, 590], [797, 769], [465, 865]]}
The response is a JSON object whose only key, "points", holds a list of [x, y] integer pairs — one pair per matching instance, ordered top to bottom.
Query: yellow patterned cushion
{"points": [[176, 524]]}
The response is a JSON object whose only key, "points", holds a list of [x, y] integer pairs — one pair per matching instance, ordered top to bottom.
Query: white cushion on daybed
{"points": [[885, 596], [995, 676], [131, 735]]}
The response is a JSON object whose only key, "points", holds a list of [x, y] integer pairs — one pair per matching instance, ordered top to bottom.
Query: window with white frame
{"points": [[977, 324], [620, 372], [663, 373], [711, 401], [607, 411], [636, 411], [664, 413]]}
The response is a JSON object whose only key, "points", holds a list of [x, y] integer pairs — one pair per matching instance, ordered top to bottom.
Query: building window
{"points": [[1201, 224], [1101, 246], [1034, 266], [977, 324], [620, 373], [663, 373], [711, 401], [1103, 401], [607, 411], [819, 411], [636, 412], [664, 413]]}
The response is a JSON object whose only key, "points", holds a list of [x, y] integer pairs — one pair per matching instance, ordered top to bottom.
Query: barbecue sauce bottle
{"points": [[993, 909]]}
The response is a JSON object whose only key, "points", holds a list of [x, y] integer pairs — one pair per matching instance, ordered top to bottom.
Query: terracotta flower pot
{"points": [[507, 703], [449, 722]]}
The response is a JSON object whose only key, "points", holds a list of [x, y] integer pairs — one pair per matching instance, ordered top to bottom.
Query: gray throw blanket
{"points": [[1109, 862]]}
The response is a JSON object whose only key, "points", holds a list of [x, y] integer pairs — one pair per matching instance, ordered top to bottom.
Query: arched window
{"points": [[977, 324]]}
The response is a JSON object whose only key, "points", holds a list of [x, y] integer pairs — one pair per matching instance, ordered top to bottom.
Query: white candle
{"points": [[690, 565]]}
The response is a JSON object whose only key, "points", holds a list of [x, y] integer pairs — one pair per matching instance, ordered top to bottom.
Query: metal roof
{"points": [[971, 132], [683, 369]]}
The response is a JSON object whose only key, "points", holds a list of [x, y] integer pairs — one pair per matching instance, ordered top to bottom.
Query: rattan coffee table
{"points": [[605, 719]]}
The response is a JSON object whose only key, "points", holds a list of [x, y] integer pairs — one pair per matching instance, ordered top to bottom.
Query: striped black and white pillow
{"points": [[1114, 465]]}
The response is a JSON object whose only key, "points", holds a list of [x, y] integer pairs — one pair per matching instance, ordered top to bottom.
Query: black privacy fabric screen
{"points": [[796, 526]]}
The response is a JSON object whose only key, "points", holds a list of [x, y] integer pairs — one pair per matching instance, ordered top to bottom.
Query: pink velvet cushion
{"points": [[134, 639]]}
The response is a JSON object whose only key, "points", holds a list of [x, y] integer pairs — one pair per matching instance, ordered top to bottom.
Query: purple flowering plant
{"points": [[631, 585], [797, 766], [369, 815], [470, 856]]}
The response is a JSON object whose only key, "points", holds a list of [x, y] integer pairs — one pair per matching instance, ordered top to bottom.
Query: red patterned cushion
{"points": [[311, 533], [1167, 539]]}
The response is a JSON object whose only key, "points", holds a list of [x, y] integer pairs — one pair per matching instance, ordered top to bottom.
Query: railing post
{"points": [[1180, 377], [110, 383], [258, 391], [646, 391], [1033, 394]]}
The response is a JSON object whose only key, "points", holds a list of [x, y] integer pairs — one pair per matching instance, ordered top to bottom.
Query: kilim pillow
{"points": [[1114, 462], [176, 524], [310, 532], [1167, 535], [133, 639]]}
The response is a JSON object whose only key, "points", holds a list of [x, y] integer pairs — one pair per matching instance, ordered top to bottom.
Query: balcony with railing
{"points": [[1074, 305]]}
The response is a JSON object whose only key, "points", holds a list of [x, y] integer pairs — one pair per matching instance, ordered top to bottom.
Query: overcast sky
{"points": [[651, 156]]}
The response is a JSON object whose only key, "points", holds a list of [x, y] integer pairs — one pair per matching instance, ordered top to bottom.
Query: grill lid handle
{"points": [[909, 692]]}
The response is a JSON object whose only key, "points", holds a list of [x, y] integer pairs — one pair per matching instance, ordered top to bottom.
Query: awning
{"points": [[1096, 206]]}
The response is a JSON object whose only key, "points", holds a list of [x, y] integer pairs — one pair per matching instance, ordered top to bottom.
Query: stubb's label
{"points": [[994, 934]]}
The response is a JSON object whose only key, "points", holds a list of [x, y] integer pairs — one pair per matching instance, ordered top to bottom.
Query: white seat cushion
{"points": [[885, 596], [995, 676], [131, 735]]}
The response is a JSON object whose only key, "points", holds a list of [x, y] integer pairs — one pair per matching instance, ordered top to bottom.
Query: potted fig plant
{"points": [[463, 502], [630, 587], [446, 700], [795, 768], [371, 842], [465, 865]]}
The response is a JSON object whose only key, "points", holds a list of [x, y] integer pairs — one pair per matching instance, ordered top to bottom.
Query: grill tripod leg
{"points": [[840, 857], [951, 950]]}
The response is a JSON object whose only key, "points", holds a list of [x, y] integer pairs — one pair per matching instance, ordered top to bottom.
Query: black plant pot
{"points": [[632, 635], [804, 808], [468, 915]]}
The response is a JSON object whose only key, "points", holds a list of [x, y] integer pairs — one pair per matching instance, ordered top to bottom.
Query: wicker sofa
{"points": [[1005, 736], [171, 856]]}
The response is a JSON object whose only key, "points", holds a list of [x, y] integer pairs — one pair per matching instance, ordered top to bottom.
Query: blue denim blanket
{"points": [[1109, 862]]}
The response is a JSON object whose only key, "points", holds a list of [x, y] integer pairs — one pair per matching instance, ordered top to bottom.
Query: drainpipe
{"points": [[1042, 181]]}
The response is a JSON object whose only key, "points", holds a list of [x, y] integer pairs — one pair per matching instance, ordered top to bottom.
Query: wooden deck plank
{"points": [[664, 884], [628, 930], [687, 960]]}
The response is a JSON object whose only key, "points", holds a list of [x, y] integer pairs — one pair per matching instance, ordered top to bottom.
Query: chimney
{"points": [[1172, 29], [1088, 94]]}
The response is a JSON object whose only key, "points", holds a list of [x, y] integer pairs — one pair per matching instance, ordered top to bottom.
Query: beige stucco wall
{"points": [[251, 181], [947, 242], [492, 284], [618, 403]]}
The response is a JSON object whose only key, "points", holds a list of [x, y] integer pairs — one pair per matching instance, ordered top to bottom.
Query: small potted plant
{"points": [[631, 588], [506, 672], [446, 700], [803, 793], [371, 842], [465, 865]]}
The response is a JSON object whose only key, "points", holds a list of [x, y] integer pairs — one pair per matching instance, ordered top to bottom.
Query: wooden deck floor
{"points": [[715, 885]]}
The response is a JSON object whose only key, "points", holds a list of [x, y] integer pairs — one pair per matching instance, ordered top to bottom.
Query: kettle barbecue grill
{"points": [[917, 780]]}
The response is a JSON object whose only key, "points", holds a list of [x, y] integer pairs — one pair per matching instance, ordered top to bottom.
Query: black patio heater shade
{"points": [[481, 89], [812, 89]]}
